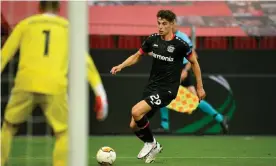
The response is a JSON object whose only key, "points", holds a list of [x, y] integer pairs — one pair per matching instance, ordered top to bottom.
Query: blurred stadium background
{"points": [[236, 44]]}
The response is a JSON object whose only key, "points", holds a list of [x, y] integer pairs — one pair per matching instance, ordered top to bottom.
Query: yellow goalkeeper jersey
{"points": [[43, 60]]}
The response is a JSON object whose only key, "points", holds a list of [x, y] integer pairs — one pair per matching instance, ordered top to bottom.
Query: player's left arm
{"points": [[188, 41], [11, 45], [192, 58], [188, 66], [196, 69], [185, 70], [95, 81]]}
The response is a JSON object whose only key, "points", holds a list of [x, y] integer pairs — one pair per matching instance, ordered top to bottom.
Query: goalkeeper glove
{"points": [[101, 104]]}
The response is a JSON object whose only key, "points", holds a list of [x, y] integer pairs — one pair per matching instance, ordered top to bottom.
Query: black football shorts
{"points": [[157, 100]]}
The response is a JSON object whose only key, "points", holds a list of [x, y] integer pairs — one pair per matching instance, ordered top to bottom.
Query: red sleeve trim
{"points": [[141, 51], [189, 56]]}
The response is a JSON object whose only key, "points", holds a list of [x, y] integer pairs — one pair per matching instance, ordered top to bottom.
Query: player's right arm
{"points": [[11, 45], [133, 59]]}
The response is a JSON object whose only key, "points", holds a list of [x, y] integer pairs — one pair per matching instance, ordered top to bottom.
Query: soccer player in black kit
{"points": [[168, 52]]}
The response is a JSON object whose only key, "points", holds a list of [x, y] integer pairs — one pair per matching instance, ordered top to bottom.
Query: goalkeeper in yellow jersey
{"points": [[42, 78]]}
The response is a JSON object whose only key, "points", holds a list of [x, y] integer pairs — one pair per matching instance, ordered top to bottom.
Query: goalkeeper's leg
{"points": [[17, 111], [56, 111], [7, 133], [61, 149]]}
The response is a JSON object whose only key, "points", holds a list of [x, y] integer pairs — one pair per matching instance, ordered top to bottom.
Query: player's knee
{"points": [[136, 112], [6, 124], [9, 126], [61, 133]]}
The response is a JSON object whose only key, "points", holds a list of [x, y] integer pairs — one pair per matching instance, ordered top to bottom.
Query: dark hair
{"points": [[49, 5], [166, 14]]}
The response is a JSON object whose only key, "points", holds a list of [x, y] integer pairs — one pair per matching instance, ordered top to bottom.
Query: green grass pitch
{"points": [[178, 151]]}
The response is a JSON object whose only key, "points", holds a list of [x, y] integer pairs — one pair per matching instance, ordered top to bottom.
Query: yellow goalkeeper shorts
{"points": [[55, 108]]}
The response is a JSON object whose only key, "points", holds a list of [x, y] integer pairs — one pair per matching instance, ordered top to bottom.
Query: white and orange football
{"points": [[106, 156]]}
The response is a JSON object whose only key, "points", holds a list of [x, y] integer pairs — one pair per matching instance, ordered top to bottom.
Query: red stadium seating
{"points": [[111, 31], [100, 41], [126, 42], [134, 42], [215, 43], [245, 43], [268, 43], [198, 44]]}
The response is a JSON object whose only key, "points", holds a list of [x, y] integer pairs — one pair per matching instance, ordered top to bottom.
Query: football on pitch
{"points": [[106, 156]]}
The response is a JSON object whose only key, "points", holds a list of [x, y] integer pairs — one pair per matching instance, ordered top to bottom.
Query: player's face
{"points": [[164, 26]]}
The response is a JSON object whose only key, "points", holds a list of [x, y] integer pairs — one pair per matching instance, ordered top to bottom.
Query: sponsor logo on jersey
{"points": [[161, 57]]}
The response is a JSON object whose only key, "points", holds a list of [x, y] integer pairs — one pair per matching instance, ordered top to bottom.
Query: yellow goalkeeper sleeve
{"points": [[94, 78], [95, 81]]}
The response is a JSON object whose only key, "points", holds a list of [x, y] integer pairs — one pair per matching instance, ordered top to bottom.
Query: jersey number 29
{"points": [[47, 40], [155, 100]]}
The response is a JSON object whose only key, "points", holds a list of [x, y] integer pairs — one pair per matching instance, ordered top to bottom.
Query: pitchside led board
{"points": [[236, 83], [235, 87], [223, 102], [186, 122]]}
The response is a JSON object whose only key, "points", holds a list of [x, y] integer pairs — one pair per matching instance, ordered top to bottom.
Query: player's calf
{"points": [[136, 130], [7, 133], [144, 133], [146, 136], [60, 152]]}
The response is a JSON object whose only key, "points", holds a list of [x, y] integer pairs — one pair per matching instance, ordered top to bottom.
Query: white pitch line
{"points": [[203, 157], [206, 157]]}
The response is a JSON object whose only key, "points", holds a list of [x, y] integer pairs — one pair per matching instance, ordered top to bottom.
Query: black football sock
{"points": [[145, 133], [140, 135]]}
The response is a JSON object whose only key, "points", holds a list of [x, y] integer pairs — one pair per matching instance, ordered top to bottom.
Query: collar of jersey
{"points": [[49, 14], [170, 39]]}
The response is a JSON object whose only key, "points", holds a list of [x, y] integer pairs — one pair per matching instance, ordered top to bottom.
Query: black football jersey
{"points": [[167, 62]]}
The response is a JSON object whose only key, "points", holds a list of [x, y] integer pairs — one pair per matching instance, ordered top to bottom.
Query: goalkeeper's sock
{"points": [[207, 108], [164, 112], [7, 133], [145, 133], [61, 149]]}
